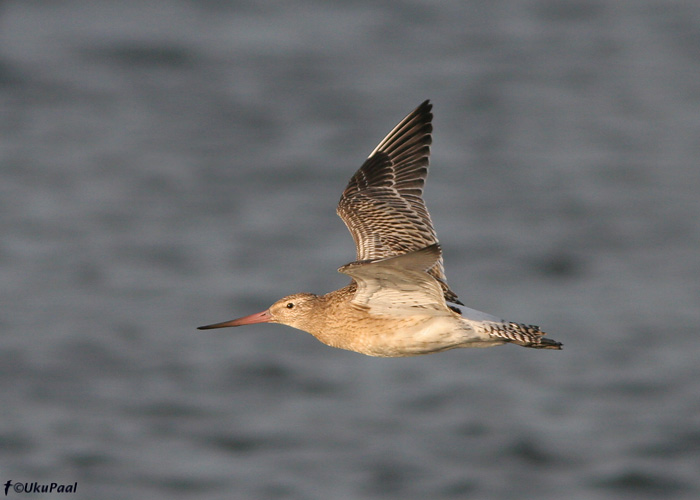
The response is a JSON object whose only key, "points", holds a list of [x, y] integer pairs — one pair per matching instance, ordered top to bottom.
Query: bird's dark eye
{"points": [[290, 305]]}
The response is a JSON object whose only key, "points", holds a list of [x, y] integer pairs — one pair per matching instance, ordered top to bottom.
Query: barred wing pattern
{"points": [[382, 205]]}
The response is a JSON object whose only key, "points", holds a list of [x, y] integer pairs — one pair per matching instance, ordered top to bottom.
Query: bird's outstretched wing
{"points": [[382, 205]]}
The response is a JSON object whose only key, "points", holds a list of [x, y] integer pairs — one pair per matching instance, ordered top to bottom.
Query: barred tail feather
{"points": [[521, 334]]}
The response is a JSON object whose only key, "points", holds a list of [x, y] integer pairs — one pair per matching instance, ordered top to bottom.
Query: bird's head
{"points": [[292, 310]]}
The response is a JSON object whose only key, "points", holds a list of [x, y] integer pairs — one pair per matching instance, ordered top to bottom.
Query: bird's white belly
{"points": [[425, 335]]}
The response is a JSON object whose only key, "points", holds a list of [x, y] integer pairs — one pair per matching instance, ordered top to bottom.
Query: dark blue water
{"points": [[167, 164]]}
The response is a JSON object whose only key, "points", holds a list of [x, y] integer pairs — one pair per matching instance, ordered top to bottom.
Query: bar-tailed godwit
{"points": [[397, 301]]}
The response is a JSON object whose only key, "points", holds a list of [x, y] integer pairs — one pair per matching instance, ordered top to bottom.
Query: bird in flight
{"points": [[398, 302]]}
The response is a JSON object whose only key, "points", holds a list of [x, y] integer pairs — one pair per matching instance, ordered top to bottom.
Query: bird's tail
{"points": [[520, 334]]}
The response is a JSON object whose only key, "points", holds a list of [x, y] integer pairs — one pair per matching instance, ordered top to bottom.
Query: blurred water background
{"points": [[170, 163]]}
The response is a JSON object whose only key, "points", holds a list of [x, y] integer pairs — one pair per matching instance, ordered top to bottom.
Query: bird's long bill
{"points": [[261, 317]]}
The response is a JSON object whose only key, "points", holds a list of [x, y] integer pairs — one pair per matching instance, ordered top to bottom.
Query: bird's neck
{"points": [[329, 321]]}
